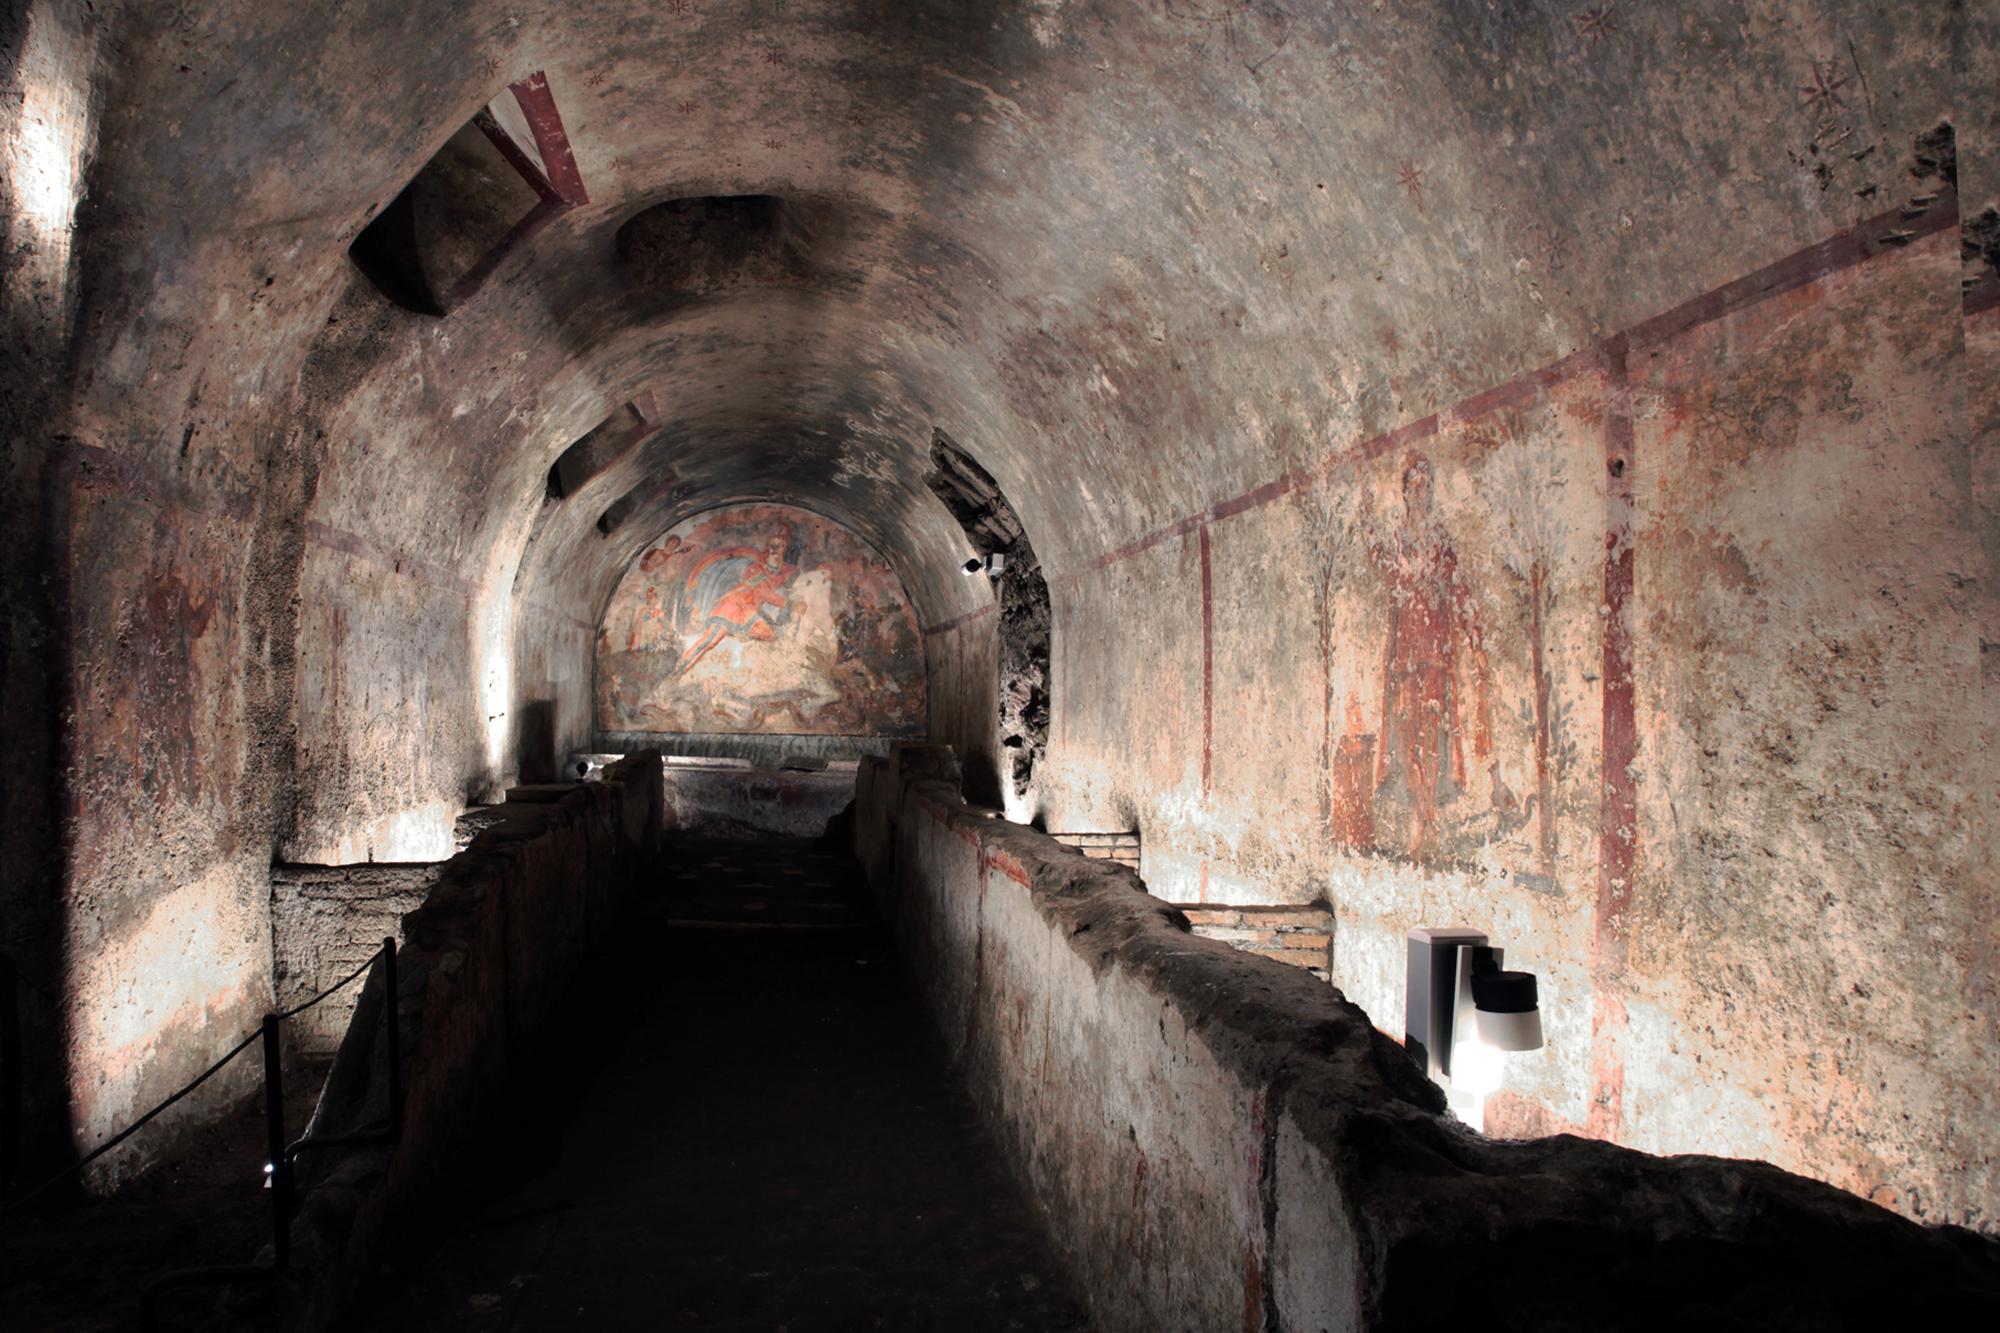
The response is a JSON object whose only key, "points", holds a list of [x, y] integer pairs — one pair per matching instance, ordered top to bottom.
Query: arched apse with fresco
{"points": [[744, 626]]}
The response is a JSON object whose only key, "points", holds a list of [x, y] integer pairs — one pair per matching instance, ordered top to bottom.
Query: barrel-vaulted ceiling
{"points": [[1136, 255]]}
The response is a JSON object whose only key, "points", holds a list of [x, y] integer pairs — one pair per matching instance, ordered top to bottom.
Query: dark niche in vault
{"points": [[703, 246], [604, 444]]}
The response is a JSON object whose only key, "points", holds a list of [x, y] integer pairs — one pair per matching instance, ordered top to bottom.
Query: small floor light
{"points": [[1508, 1009], [1463, 1011]]}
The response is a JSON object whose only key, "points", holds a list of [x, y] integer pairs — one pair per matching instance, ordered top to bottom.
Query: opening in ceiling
{"points": [[506, 174], [604, 444], [620, 510]]}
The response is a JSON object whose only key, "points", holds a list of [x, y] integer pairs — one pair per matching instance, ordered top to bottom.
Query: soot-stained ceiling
{"points": [[1134, 256]]}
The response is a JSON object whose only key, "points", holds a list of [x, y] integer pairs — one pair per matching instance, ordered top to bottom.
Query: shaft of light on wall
{"points": [[46, 148], [44, 170], [493, 661], [1020, 806]]}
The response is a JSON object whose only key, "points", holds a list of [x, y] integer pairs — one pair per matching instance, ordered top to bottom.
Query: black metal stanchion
{"points": [[392, 1016], [12, 1083], [278, 1165], [277, 1179]]}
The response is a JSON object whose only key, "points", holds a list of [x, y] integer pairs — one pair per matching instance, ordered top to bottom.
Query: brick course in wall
{"points": [[1120, 847], [325, 922], [1301, 936]]}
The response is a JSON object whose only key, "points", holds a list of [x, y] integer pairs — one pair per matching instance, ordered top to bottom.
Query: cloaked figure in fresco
{"points": [[738, 594], [653, 620], [651, 625], [1422, 756]]}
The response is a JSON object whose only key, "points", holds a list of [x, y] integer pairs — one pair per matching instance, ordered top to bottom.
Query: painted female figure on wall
{"points": [[1421, 763]]}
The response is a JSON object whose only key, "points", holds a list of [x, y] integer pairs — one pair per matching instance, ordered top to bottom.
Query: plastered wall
{"points": [[1193, 282], [1662, 666], [1219, 1141]]}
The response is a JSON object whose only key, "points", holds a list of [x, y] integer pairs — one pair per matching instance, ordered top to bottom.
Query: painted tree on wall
{"points": [[1527, 484]]}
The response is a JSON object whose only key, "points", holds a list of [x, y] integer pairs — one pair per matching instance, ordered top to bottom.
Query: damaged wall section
{"points": [[995, 531]]}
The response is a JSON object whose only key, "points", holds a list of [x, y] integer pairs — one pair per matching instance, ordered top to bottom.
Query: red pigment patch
{"points": [[1618, 829]]}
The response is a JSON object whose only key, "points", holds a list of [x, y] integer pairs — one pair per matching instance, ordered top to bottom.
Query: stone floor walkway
{"points": [[766, 1139]]}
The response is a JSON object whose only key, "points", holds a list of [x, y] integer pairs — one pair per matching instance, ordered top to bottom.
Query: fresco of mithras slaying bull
{"points": [[763, 619]]}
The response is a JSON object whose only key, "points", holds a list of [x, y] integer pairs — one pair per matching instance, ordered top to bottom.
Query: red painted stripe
{"points": [[538, 105], [517, 157], [557, 181], [536, 218], [1885, 233], [648, 414], [93, 467], [1263, 495], [1145, 543], [416, 567], [1325, 609], [959, 622], [1207, 664], [1618, 831], [1008, 866]]}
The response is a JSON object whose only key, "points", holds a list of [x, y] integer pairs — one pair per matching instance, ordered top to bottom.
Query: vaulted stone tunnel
{"points": [[1518, 464]]}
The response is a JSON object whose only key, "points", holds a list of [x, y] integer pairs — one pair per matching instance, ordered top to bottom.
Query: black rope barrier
{"points": [[134, 1127], [280, 1157], [15, 1204]]}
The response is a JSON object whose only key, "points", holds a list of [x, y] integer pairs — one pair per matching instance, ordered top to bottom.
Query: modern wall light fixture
{"points": [[1462, 1011]]}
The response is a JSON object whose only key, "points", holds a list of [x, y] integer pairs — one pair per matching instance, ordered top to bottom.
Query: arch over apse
{"points": [[759, 628]]}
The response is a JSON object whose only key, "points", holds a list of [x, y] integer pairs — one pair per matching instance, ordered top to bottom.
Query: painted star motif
{"points": [[1594, 25], [774, 56], [595, 79], [1823, 93], [685, 108], [773, 142], [1411, 178], [1669, 180], [1555, 248]]}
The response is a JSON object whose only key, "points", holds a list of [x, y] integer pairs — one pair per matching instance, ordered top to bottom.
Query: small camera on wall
{"points": [[989, 565]]}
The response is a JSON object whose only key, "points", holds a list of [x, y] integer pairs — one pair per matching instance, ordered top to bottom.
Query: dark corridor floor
{"points": [[768, 1139]]}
